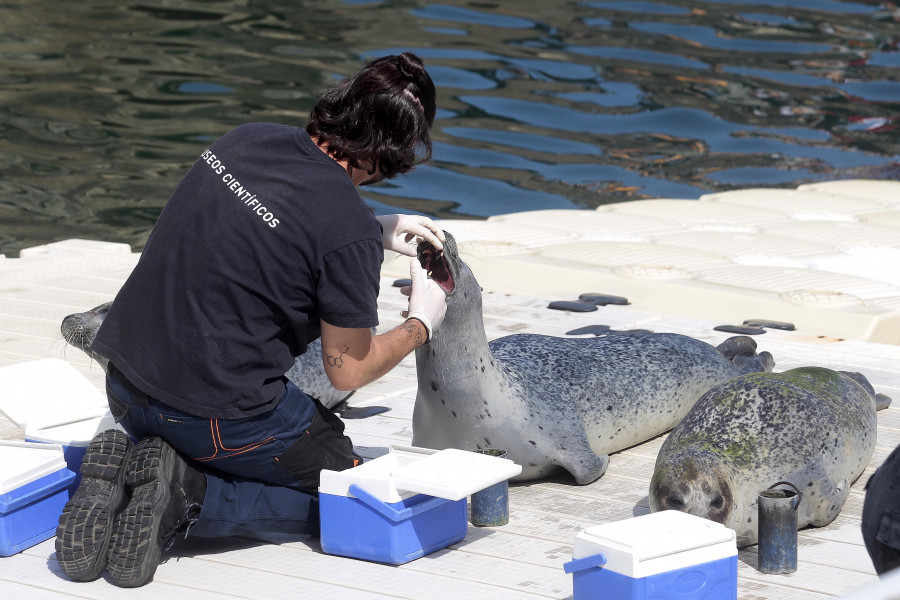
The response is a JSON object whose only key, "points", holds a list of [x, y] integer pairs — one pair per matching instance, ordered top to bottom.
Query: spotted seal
{"points": [[307, 372], [555, 402], [810, 426]]}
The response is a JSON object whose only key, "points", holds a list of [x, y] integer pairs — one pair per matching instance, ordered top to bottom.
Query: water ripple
{"points": [[540, 104]]}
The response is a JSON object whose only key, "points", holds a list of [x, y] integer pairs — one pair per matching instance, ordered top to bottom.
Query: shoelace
{"points": [[191, 515]]}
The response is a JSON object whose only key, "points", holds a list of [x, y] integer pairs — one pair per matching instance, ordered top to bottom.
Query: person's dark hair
{"points": [[381, 116]]}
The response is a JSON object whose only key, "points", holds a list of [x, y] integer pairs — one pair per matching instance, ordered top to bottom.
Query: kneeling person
{"points": [[264, 246]]}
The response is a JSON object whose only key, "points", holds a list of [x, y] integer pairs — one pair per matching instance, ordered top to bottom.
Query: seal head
{"points": [[80, 329]]}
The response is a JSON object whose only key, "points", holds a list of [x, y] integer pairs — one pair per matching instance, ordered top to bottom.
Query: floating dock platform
{"points": [[824, 257]]}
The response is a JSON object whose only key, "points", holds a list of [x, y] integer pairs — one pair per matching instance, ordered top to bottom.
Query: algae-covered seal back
{"points": [[810, 426]]}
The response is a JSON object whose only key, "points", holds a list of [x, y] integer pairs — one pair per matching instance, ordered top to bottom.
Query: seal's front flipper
{"points": [[882, 401], [587, 467], [830, 503]]}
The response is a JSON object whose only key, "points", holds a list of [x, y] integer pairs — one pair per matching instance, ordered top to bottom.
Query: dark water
{"points": [[542, 104]]}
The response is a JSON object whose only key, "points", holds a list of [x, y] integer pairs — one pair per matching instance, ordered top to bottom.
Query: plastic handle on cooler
{"points": [[389, 511], [582, 564]]}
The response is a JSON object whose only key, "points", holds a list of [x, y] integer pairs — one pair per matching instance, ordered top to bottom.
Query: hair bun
{"points": [[406, 65]]}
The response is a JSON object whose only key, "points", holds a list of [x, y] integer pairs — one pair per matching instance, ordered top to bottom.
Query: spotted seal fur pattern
{"points": [[307, 372], [552, 402], [810, 426]]}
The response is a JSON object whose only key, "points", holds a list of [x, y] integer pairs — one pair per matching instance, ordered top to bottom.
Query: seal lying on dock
{"points": [[308, 373], [554, 402], [812, 427]]}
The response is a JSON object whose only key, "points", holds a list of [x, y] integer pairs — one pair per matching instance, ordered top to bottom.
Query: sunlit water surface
{"points": [[542, 104]]}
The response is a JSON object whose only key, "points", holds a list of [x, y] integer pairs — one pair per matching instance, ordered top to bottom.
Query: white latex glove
{"points": [[401, 233], [427, 301]]}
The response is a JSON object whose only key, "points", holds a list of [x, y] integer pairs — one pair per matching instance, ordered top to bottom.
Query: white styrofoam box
{"points": [[48, 393], [24, 462], [406, 471], [656, 543]]}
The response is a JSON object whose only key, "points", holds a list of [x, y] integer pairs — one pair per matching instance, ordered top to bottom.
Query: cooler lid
{"points": [[47, 393], [79, 433], [24, 462], [453, 474], [656, 535]]}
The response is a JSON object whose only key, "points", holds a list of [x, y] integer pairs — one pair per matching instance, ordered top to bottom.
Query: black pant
{"points": [[881, 515]]}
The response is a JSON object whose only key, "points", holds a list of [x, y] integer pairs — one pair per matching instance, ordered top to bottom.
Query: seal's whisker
{"points": [[472, 256], [57, 341]]}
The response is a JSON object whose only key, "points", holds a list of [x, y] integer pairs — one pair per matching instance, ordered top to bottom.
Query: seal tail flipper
{"points": [[739, 345], [741, 351], [763, 362], [881, 401]]}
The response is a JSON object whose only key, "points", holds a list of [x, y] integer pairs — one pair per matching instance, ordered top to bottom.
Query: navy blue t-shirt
{"points": [[263, 237]]}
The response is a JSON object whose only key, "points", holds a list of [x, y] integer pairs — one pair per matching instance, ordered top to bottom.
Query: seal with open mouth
{"points": [[555, 402]]}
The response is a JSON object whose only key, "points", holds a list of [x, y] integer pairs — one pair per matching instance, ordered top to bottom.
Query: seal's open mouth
{"points": [[435, 264]]}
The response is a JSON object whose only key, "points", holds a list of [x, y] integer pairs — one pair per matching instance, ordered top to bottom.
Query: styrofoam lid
{"points": [[48, 392], [79, 433], [24, 462], [408, 470], [454, 474], [656, 535]]}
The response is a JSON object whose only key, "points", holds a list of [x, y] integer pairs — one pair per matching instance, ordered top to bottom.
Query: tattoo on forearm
{"points": [[412, 328], [339, 360]]}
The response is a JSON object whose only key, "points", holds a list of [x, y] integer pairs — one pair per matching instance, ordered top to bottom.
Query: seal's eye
{"points": [[674, 503]]}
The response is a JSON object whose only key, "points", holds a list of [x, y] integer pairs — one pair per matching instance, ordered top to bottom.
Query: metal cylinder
{"points": [[490, 506], [778, 529]]}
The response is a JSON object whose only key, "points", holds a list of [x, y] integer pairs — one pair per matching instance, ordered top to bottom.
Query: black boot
{"points": [[166, 497], [86, 523]]}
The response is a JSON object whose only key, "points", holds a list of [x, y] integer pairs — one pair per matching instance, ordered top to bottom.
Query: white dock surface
{"points": [[524, 262]]}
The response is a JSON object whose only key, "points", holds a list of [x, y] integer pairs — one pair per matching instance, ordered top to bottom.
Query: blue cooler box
{"points": [[33, 491], [405, 504], [669, 555]]}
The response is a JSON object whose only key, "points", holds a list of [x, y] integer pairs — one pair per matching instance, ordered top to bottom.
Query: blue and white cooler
{"points": [[33, 484], [405, 504], [668, 555]]}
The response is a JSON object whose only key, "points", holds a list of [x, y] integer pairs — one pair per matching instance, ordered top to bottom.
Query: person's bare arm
{"points": [[355, 357]]}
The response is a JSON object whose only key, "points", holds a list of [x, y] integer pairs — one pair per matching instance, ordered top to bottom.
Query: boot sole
{"points": [[86, 523], [135, 547]]}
